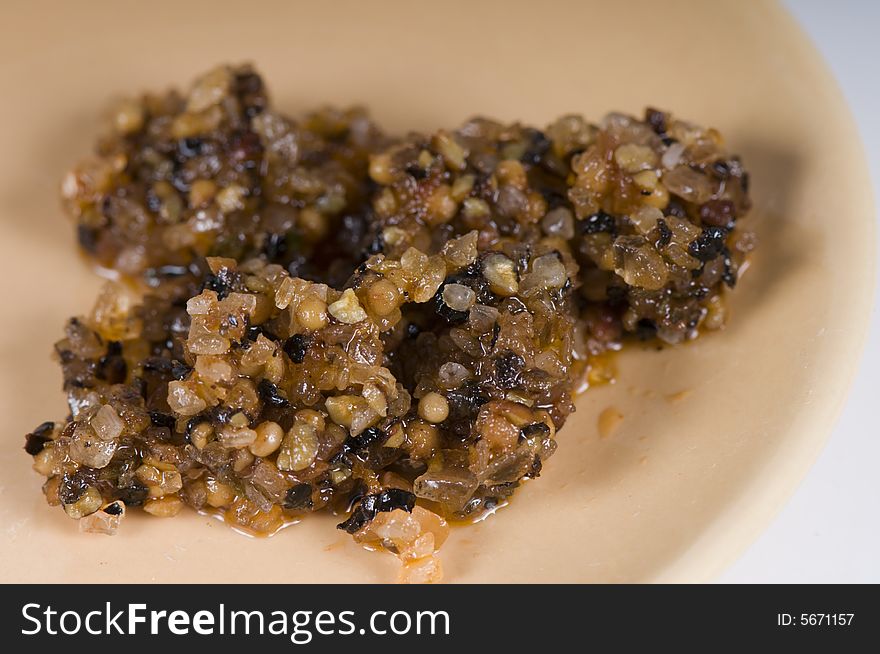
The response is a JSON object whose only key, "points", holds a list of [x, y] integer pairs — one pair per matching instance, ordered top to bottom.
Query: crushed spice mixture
{"points": [[392, 329]]}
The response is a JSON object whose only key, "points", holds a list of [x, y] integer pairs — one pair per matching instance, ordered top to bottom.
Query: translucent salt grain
{"points": [[209, 89], [672, 156], [632, 158], [688, 184], [511, 201], [645, 219], [559, 222], [462, 251], [412, 261], [640, 264], [548, 272], [501, 274], [429, 279], [459, 297], [202, 303], [238, 303], [347, 309], [208, 344], [213, 369], [452, 375], [183, 399], [376, 399], [107, 423], [237, 437], [299, 448], [88, 449], [451, 487], [105, 521], [433, 523], [399, 526], [420, 548], [422, 571]]}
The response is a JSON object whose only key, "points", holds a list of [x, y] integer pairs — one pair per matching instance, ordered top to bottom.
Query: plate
{"points": [[715, 435]]}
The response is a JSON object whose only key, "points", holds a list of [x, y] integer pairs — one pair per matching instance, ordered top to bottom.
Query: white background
{"points": [[830, 529]]}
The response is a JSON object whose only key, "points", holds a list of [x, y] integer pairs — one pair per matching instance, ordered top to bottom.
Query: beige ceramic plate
{"points": [[683, 485]]}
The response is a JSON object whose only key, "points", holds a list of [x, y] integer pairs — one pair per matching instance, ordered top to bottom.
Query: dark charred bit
{"points": [[248, 83], [248, 87], [656, 119], [189, 147], [538, 147], [245, 148], [721, 169], [415, 171], [554, 197], [597, 223], [665, 233], [87, 238], [375, 245], [708, 245], [275, 246], [221, 283], [496, 330], [646, 330], [253, 333], [296, 346], [157, 364], [112, 367], [508, 367], [179, 370], [140, 387], [270, 394], [466, 400], [220, 414], [163, 419], [190, 425], [534, 429], [368, 437], [37, 439], [381, 457], [535, 471], [73, 485], [135, 494], [356, 494], [298, 497], [395, 498], [371, 505], [114, 508], [360, 516]]}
